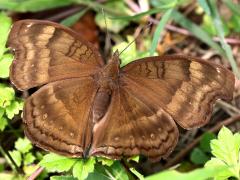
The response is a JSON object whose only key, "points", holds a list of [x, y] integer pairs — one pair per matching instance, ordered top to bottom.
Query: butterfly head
{"points": [[116, 53], [115, 58], [114, 61]]}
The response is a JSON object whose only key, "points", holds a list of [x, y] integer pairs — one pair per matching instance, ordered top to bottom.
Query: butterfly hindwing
{"points": [[57, 116], [133, 126]]}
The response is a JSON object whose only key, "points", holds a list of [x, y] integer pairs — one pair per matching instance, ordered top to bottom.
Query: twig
{"points": [[133, 5], [65, 14], [228, 40], [228, 106], [184, 152], [36, 173]]}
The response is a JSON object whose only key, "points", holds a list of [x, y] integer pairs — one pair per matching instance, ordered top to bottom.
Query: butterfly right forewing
{"points": [[183, 86]]}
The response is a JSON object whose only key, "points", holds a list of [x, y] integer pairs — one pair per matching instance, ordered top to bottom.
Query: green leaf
{"points": [[33, 5], [71, 20], [235, 23], [113, 25], [208, 25], [4, 29], [157, 34], [131, 53], [5, 63], [7, 94], [13, 109], [1, 112], [3, 120], [3, 123], [205, 141], [23, 145], [227, 149], [39, 155], [16, 156], [198, 156], [28, 158], [134, 158], [105, 161], [56, 163], [1, 168], [82, 168], [31, 169], [118, 171], [101, 172], [198, 174], [224, 174], [95, 175], [7, 176], [62, 178]]}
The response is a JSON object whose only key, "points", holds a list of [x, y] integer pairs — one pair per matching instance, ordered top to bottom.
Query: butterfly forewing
{"points": [[47, 52], [184, 87]]}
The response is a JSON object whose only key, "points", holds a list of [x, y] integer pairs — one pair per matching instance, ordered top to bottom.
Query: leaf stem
{"points": [[12, 163], [36, 173]]}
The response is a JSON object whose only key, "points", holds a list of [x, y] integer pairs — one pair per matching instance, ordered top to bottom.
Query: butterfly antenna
{"points": [[107, 32], [137, 36]]}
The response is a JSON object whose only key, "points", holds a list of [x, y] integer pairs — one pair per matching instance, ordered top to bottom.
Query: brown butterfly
{"points": [[88, 108]]}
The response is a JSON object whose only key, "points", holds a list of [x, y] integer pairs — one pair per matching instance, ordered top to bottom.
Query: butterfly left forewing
{"points": [[46, 52], [184, 87], [131, 127]]}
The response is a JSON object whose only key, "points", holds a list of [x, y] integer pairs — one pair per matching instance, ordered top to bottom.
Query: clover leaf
{"points": [[226, 149]]}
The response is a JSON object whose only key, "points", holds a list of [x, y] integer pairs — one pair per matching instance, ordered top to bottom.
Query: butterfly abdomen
{"points": [[101, 103]]}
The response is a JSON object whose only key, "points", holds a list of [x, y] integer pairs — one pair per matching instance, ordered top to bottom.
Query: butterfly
{"points": [[86, 107]]}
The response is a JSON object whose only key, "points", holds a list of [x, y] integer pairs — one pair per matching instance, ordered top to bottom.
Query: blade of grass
{"points": [[33, 5], [205, 6], [233, 6], [99, 7], [149, 12], [71, 20], [219, 27], [159, 29], [197, 31]]}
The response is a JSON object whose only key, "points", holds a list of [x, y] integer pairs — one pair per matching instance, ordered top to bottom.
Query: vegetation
{"points": [[204, 28]]}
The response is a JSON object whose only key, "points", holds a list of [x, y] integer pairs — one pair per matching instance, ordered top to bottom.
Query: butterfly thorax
{"points": [[107, 80]]}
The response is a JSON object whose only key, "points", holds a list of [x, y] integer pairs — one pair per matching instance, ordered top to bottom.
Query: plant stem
{"points": [[12, 163]]}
